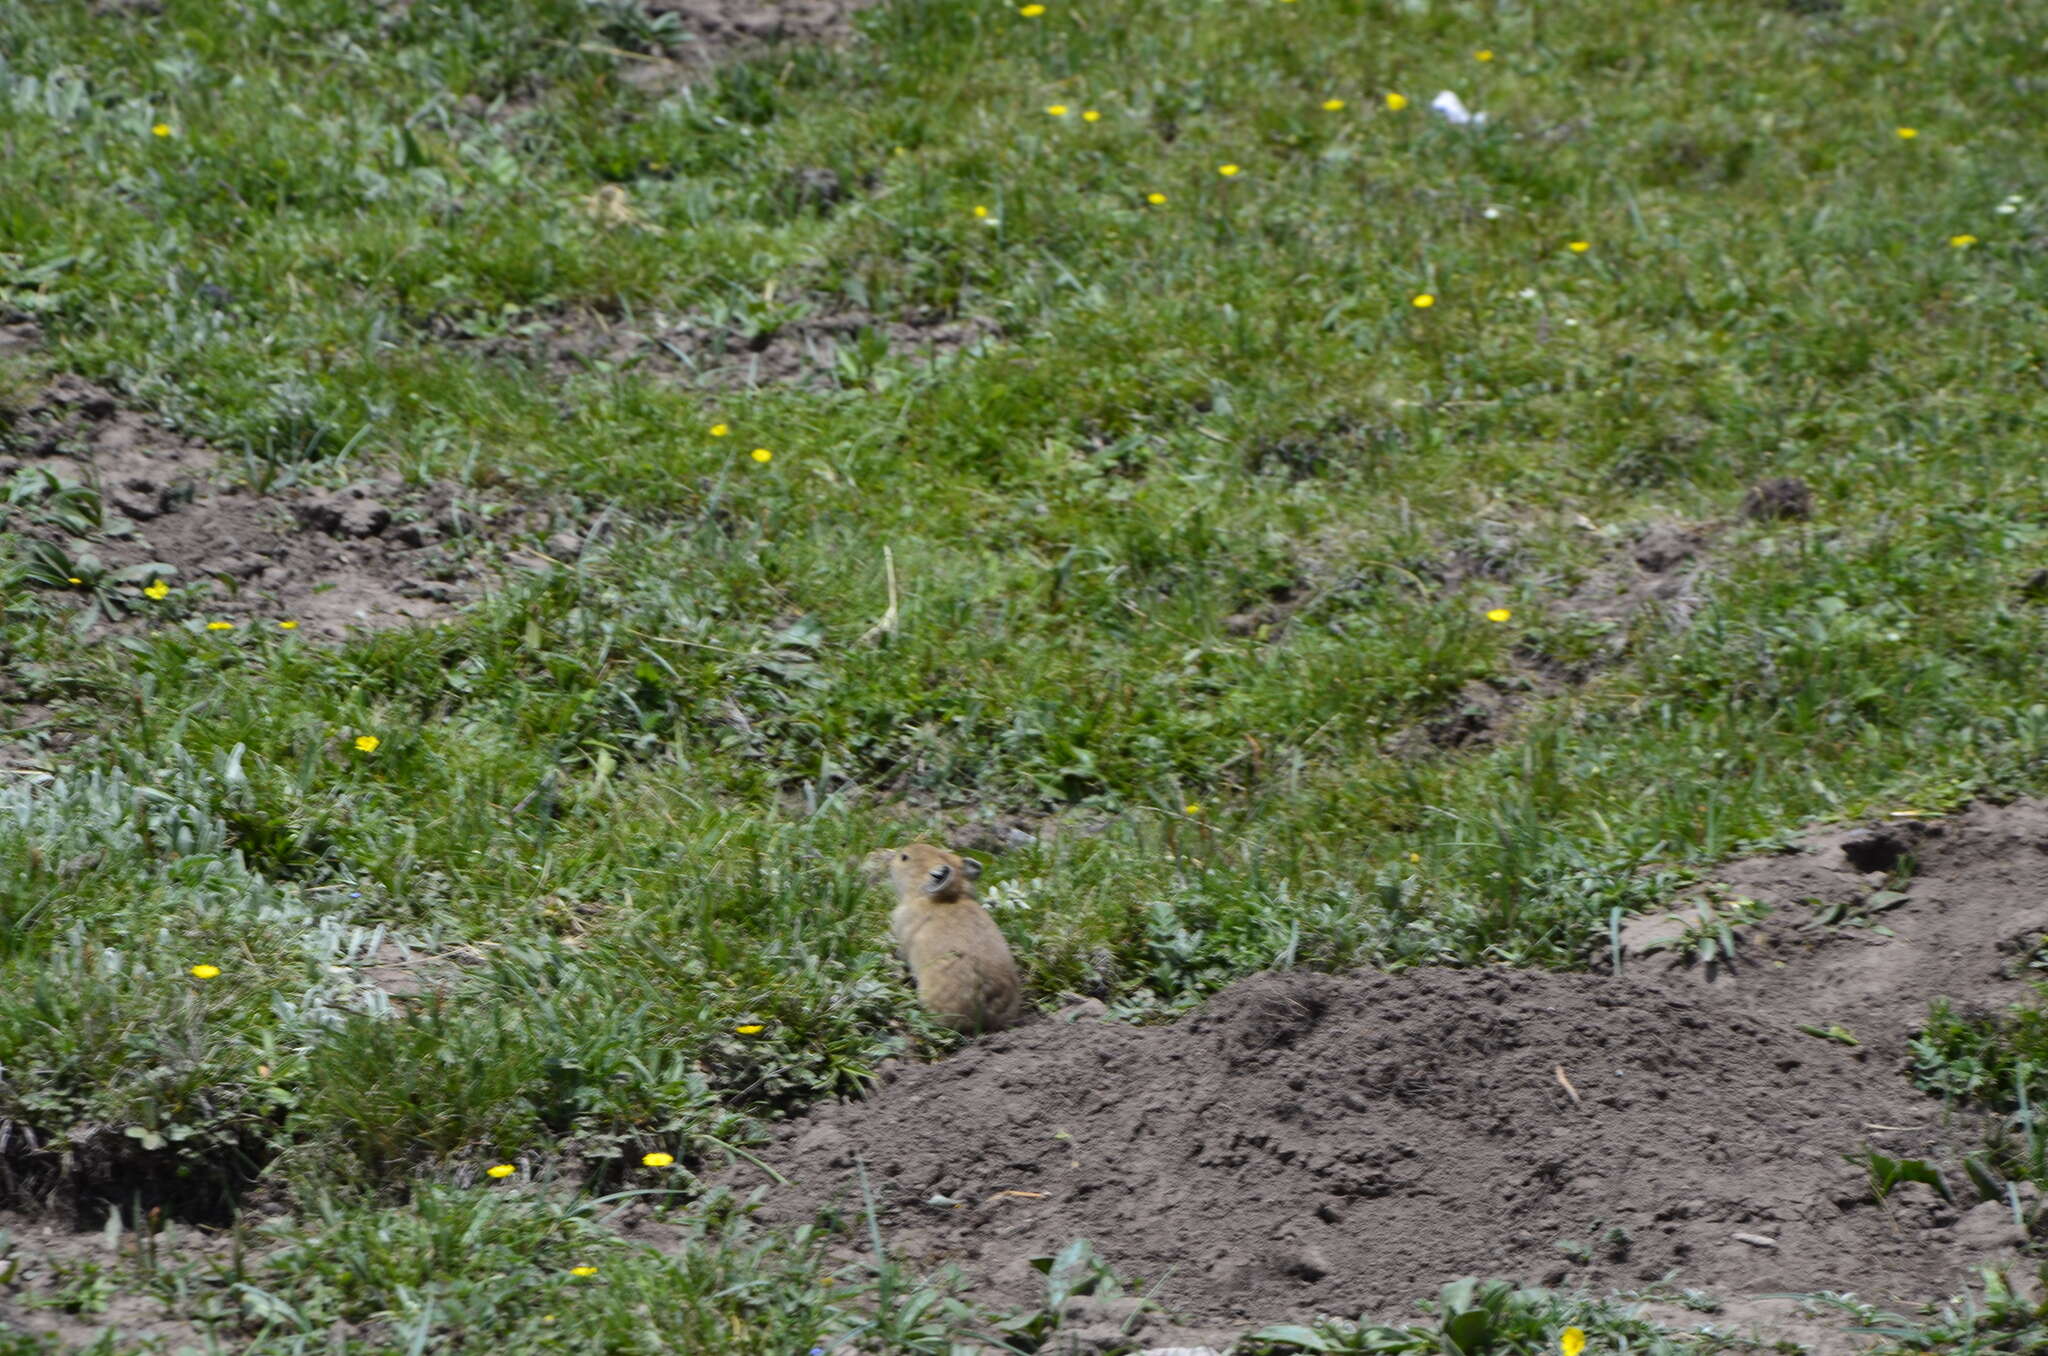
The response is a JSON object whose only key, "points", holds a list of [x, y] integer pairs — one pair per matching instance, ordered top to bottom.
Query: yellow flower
{"points": [[1031, 11], [1483, 54], [1396, 102], [1332, 105], [1057, 110], [1091, 115], [162, 129], [1907, 133], [1227, 171], [1156, 199], [980, 210], [1961, 242], [1579, 246], [1423, 301], [720, 430], [763, 455], [73, 579], [157, 591], [1498, 614], [220, 626], [287, 626], [367, 743], [1192, 810], [1414, 857], [205, 971], [750, 1029], [658, 1160], [500, 1170], [585, 1270], [1572, 1341]]}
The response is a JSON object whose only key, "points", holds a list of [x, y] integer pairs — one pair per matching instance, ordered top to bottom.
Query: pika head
{"points": [[921, 871]]}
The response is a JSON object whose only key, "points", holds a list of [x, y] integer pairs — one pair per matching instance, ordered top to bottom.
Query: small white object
{"points": [[1453, 111], [1491, 214], [1527, 294], [1755, 1240]]}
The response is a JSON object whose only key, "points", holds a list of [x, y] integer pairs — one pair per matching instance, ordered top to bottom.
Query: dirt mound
{"points": [[820, 349], [98, 494], [1347, 1143]]}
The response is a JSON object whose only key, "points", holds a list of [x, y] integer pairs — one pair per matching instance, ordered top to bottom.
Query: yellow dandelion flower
{"points": [[1031, 11], [1483, 54], [1396, 102], [1332, 105], [1057, 110], [1091, 115], [162, 129], [1906, 133], [1227, 171], [1156, 199], [980, 210], [1960, 242], [1579, 246], [1423, 301], [720, 430], [763, 455], [73, 579], [157, 591], [1498, 614], [220, 626], [287, 626], [367, 743], [1192, 810], [1414, 858], [206, 972], [750, 1029], [657, 1160], [500, 1170], [585, 1270], [547, 1318], [1572, 1341]]}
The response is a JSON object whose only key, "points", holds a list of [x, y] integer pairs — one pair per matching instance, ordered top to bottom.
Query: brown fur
{"points": [[963, 968]]}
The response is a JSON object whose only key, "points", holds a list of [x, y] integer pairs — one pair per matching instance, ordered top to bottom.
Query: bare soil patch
{"points": [[722, 29], [820, 348], [375, 554], [1346, 1143], [68, 1286]]}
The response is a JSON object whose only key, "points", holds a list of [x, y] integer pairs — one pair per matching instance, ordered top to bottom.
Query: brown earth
{"points": [[720, 30], [804, 350], [375, 554], [1347, 1143]]}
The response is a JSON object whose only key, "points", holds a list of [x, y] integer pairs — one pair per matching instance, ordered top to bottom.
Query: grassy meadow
{"points": [[1263, 332]]}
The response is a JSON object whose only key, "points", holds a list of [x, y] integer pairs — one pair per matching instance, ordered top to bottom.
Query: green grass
{"points": [[626, 796]]}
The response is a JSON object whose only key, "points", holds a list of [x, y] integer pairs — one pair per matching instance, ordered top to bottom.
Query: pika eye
{"points": [[902, 856]]}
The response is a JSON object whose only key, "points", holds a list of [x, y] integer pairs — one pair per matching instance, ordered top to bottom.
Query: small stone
{"points": [[565, 546]]}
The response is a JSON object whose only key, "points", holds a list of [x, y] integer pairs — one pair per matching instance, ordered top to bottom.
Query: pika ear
{"points": [[970, 868]]}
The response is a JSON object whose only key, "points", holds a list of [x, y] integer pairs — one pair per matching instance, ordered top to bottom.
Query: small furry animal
{"points": [[956, 953]]}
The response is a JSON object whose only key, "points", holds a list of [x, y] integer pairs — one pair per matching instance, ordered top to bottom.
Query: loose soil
{"points": [[803, 351], [374, 554], [1347, 1143]]}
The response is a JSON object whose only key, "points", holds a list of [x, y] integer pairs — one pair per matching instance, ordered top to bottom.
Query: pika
{"points": [[963, 968]]}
